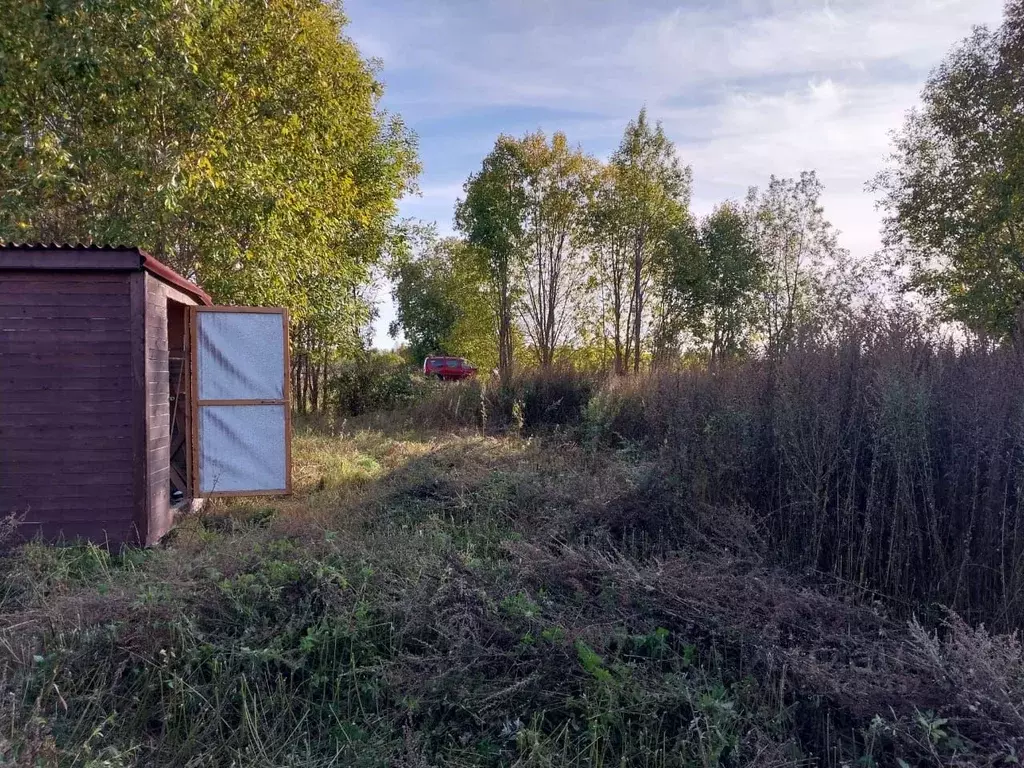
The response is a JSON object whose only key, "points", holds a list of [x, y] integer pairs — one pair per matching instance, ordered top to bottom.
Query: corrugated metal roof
{"points": [[68, 247], [146, 261]]}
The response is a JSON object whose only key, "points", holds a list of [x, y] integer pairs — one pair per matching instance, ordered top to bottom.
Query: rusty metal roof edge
{"points": [[157, 268]]}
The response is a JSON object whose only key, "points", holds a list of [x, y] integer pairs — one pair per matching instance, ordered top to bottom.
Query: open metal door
{"points": [[241, 415]]}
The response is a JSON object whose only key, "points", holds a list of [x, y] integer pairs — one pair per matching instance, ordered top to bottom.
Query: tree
{"points": [[240, 141], [558, 184], [954, 186], [652, 193], [491, 216], [798, 247], [610, 263], [714, 275], [441, 303], [337, 313]]}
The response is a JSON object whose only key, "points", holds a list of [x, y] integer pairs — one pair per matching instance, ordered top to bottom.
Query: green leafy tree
{"points": [[240, 141], [559, 182], [954, 188], [651, 191], [526, 212], [492, 218], [801, 257], [610, 264], [715, 273], [442, 303], [332, 327]]}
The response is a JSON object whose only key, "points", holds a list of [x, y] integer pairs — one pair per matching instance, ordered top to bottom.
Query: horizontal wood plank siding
{"points": [[29, 284], [71, 304], [66, 447]]}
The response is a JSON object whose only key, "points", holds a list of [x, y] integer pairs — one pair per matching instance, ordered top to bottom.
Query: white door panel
{"points": [[240, 356], [242, 443]]}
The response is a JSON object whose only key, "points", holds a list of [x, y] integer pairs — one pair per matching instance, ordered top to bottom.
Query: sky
{"points": [[745, 88]]}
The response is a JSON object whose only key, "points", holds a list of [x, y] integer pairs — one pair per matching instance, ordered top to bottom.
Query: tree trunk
{"points": [[638, 299], [504, 324], [299, 383]]}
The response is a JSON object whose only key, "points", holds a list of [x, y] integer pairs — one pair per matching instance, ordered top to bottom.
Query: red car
{"points": [[448, 368]]}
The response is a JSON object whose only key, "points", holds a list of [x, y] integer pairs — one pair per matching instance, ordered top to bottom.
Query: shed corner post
{"points": [[140, 414]]}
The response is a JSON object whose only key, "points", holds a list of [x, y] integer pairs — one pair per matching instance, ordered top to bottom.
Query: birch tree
{"points": [[559, 181], [954, 187], [652, 195], [492, 218], [798, 247], [715, 275]]}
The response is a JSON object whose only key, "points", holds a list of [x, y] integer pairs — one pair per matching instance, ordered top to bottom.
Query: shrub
{"points": [[374, 381], [527, 401], [533, 401], [453, 404], [983, 674]]}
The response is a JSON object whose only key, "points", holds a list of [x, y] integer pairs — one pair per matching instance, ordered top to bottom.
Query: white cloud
{"points": [[803, 37], [600, 55]]}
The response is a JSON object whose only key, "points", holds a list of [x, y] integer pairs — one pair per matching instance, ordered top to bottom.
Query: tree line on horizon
{"points": [[562, 257]]}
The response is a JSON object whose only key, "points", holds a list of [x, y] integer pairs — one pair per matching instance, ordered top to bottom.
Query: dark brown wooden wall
{"points": [[157, 409], [66, 440]]}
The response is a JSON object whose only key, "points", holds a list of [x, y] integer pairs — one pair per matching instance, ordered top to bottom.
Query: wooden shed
{"points": [[105, 428]]}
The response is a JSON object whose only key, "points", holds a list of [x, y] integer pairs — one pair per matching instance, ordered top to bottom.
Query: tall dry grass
{"points": [[884, 459], [887, 462]]}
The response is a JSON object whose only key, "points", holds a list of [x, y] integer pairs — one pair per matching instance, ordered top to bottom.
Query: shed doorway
{"points": [[179, 373]]}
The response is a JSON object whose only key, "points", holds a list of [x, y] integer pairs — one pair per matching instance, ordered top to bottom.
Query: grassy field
{"points": [[451, 599]]}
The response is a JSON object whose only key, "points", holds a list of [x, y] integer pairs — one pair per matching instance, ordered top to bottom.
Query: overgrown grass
{"points": [[885, 460], [742, 568]]}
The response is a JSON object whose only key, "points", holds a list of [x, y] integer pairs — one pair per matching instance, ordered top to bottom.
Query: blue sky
{"points": [[745, 88]]}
